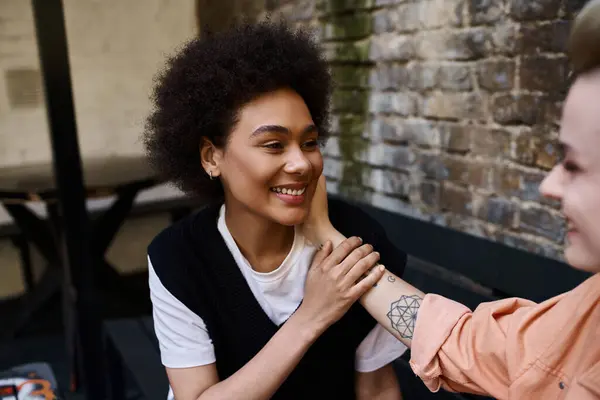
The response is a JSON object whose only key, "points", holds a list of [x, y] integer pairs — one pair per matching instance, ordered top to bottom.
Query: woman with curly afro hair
{"points": [[244, 305]]}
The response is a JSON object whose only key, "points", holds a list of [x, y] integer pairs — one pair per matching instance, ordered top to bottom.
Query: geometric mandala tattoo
{"points": [[403, 315]]}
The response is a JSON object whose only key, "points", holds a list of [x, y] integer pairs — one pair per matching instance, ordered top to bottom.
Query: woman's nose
{"points": [[297, 162], [552, 185]]}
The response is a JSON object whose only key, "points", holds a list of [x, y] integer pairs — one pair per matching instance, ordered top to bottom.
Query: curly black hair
{"points": [[202, 88]]}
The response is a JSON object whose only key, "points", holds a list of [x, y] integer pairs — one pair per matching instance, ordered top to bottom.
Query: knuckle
{"points": [[353, 242], [346, 245], [365, 250], [359, 253], [352, 259], [364, 264], [334, 276]]}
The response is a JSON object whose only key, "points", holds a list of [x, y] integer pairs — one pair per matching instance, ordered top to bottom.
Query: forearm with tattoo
{"points": [[393, 302], [395, 305], [403, 314]]}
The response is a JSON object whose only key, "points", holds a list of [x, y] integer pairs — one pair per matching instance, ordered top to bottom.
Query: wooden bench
{"points": [[132, 349]]}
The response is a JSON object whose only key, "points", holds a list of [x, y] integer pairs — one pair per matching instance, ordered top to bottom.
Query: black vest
{"points": [[193, 262]]}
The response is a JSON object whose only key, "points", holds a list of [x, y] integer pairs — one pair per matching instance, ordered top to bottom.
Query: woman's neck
{"points": [[264, 243]]}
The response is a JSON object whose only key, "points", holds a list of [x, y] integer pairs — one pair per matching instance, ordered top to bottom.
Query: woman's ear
{"points": [[211, 157]]}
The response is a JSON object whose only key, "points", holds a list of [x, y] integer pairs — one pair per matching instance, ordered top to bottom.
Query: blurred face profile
{"points": [[575, 182]]}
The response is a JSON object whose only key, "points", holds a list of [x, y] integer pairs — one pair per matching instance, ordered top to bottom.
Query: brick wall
{"points": [[446, 110]]}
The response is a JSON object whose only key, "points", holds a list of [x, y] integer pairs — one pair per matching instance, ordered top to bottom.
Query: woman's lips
{"points": [[293, 194], [291, 199], [571, 231]]}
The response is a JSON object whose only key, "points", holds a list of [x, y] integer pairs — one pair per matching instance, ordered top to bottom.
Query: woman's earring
{"points": [[210, 174]]}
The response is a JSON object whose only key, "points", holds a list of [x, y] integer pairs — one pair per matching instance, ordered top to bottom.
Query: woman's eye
{"points": [[311, 143], [274, 145], [570, 166]]}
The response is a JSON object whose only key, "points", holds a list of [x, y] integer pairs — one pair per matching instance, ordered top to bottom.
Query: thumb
{"points": [[322, 254]]}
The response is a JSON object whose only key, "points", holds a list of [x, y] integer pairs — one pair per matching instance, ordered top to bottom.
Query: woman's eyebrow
{"points": [[280, 129]]}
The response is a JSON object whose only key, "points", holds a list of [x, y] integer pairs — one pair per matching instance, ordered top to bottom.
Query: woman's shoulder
{"points": [[184, 235]]}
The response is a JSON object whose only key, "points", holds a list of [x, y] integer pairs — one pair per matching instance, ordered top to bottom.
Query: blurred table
{"points": [[102, 177], [120, 177]]}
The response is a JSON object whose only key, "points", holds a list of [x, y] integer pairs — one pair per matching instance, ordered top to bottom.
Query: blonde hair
{"points": [[584, 41]]}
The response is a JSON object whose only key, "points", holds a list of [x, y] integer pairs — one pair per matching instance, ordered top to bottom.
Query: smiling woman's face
{"points": [[272, 160], [576, 181]]}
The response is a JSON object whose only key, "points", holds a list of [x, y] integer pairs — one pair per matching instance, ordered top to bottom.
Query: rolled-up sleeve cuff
{"points": [[436, 318], [182, 358], [381, 360]]}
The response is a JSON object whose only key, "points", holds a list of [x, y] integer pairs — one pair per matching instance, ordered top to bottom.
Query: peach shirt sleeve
{"points": [[478, 352]]}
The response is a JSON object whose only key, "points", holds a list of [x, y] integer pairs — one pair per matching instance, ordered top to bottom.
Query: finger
{"points": [[322, 183], [341, 252], [322, 254], [357, 254], [361, 268], [367, 283]]}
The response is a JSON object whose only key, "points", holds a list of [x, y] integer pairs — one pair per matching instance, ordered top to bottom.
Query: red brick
{"points": [[534, 10], [485, 11], [538, 38], [462, 45], [544, 73], [496, 75], [454, 106], [524, 108], [456, 138], [490, 142], [535, 148], [456, 170], [484, 175], [457, 200], [499, 211], [542, 222]]}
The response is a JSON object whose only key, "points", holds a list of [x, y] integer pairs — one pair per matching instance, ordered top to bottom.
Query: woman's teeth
{"points": [[292, 192]]}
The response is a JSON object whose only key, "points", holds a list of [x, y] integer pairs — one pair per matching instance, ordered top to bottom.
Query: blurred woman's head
{"points": [[239, 115], [575, 182]]}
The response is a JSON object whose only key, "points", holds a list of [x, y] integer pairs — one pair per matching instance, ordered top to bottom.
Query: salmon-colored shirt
{"points": [[512, 348]]}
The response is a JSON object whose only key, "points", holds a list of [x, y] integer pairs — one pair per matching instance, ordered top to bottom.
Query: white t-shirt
{"points": [[185, 341]]}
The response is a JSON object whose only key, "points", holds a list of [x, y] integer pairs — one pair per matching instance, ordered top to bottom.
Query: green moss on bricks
{"points": [[335, 6], [353, 26], [347, 42], [356, 52], [351, 76], [350, 101], [351, 125], [352, 148], [353, 151], [352, 183]]}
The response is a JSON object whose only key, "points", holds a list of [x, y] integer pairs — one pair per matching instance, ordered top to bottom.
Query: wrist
{"points": [[318, 233], [329, 233], [307, 326]]}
